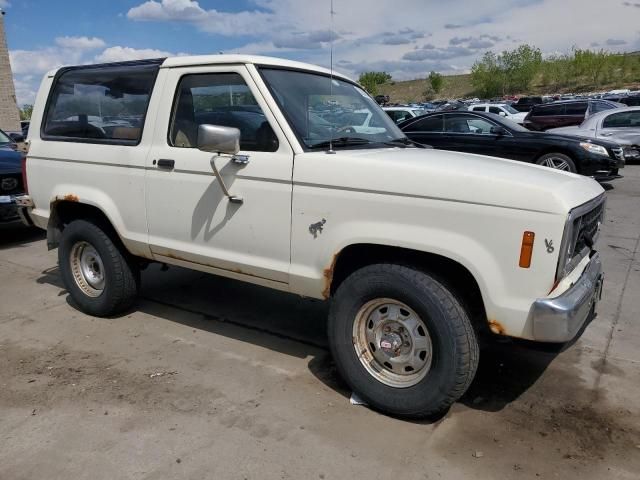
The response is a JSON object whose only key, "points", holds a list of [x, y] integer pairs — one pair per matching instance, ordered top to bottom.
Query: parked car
{"points": [[628, 100], [524, 104], [502, 109], [565, 113], [399, 114], [619, 126], [489, 134], [11, 184], [418, 249]]}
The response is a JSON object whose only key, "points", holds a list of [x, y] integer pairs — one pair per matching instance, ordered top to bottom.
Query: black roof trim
{"points": [[129, 63]]}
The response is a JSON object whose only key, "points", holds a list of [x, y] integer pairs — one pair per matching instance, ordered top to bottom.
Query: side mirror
{"points": [[502, 114], [499, 131], [217, 139]]}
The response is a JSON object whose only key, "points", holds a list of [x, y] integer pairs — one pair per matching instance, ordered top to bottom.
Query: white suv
{"points": [[502, 109], [249, 168]]}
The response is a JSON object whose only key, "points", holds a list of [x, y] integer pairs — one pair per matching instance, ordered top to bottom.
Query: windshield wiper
{"points": [[341, 142], [403, 142]]}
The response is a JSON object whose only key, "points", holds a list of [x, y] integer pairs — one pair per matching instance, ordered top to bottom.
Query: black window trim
{"points": [[421, 118], [99, 141]]}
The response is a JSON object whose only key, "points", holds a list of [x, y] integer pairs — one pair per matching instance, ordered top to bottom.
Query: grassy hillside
{"points": [[455, 86], [459, 86]]}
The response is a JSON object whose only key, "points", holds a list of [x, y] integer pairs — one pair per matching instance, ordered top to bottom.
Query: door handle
{"points": [[165, 163]]}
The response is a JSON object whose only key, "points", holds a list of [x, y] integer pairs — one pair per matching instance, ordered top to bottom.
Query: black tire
{"points": [[559, 156], [121, 276], [455, 352]]}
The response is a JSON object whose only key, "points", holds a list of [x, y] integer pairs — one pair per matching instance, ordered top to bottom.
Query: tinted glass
{"points": [[219, 99], [631, 101], [105, 104], [320, 108], [578, 108], [478, 109], [495, 110], [548, 110], [622, 120], [429, 124], [467, 124]]}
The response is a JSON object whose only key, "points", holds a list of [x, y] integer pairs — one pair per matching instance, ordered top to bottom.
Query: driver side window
{"points": [[219, 99]]}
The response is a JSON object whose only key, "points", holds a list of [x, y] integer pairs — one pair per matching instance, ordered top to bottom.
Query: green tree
{"points": [[486, 76], [371, 80], [436, 81], [26, 111]]}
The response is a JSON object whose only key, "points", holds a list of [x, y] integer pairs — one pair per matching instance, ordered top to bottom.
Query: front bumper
{"points": [[14, 208], [560, 319]]}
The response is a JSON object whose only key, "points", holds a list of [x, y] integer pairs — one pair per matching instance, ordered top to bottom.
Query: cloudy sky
{"points": [[407, 38]]}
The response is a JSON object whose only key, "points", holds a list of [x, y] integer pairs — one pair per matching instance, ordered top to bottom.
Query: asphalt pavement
{"points": [[209, 378]]}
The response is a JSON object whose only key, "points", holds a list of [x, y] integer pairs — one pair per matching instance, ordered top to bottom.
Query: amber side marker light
{"points": [[526, 251]]}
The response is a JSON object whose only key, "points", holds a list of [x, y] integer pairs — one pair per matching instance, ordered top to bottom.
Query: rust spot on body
{"points": [[70, 197], [328, 277], [497, 328]]}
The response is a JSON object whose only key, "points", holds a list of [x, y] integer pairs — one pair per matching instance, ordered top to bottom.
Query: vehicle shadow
{"points": [[18, 235], [296, 326]]}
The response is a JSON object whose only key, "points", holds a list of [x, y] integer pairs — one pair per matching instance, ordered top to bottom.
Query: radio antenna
{"points": [[331, 150]]}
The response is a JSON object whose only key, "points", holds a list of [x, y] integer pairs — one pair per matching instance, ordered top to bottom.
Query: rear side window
{"points": [[105, 104], [579, 108], [478, 109], [548, 110]]}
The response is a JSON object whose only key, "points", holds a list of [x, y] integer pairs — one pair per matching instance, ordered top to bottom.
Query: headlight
{"points": [[596, 149]]}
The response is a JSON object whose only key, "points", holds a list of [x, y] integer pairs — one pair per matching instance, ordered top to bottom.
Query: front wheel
{"points": [[559, 161], [97, 272], [402, 341]]}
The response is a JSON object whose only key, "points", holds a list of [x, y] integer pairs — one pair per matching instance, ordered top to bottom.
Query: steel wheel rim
{"points": [[557, 163], [87, 268], [392, 343]]}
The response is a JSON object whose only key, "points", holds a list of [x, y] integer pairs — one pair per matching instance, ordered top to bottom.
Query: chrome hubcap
{"points": [[557, 163], [87, 268], [392, 343]]}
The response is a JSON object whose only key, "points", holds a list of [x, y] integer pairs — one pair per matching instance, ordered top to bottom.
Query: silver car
{"points": [[621, 126]]}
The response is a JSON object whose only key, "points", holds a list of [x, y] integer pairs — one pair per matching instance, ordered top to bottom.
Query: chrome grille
{"points": [[618, 152], [588, 226], [581, 232]]}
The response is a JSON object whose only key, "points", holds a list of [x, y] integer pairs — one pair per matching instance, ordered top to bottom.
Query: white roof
{"points": [[189, 61]]}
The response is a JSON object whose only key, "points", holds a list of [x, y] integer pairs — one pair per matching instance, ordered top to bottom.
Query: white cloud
{"points": [[5, 3], [82, 43], [123, 54]]}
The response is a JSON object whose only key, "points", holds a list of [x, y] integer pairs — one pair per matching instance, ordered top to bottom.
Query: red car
{"points": [[565, 114]]}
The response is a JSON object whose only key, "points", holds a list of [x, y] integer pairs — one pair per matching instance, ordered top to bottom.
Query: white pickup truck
{"points": [[248, 167]]}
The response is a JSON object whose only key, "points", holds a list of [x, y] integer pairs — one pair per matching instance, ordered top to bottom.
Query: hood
{"points": [[518, 117], [574, 130], [10, 161], [451, 176]]}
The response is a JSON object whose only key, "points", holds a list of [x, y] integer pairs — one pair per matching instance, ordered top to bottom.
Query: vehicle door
{"points": [[574, 114], [427, 130], [466, 132], [190, 219]]}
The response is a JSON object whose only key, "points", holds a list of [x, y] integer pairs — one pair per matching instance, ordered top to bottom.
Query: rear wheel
{"points": [[558, 161], [98, 273], [401, 340]]}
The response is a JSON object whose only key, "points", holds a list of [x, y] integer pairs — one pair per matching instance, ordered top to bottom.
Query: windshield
{"points": [[320, 109], [510, 109]]}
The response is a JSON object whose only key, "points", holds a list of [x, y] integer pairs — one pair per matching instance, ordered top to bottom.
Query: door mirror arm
{"points": [[222, 141]]}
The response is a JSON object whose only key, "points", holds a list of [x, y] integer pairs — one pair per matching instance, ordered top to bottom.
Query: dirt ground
{"points": [[209, 378]]}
